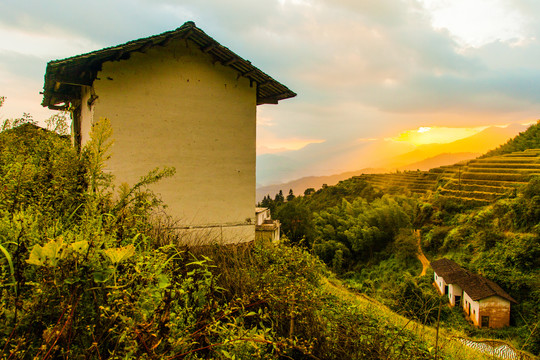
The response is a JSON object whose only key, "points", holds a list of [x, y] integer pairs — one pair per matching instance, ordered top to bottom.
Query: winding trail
{"points": [[420, 255]]}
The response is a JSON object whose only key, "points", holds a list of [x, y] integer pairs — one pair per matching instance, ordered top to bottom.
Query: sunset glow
{"points": [[439, 135]]}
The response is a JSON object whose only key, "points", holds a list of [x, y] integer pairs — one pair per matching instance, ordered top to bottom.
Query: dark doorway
{"points": [[445, 289], [457, 300], [485, 321]]}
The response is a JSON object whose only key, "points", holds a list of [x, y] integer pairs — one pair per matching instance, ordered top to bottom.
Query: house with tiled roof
{"points": [[177, 99], [484, 302]]}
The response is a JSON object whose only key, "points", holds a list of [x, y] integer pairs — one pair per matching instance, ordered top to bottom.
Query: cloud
{"points": [[105, 22], [362, 69]]}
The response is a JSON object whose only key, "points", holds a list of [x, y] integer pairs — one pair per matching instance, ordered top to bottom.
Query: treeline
{"points": [[528, 139], [345, 225]]}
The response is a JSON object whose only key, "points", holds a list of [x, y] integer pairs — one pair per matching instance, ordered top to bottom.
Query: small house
{"points": [[177, 99], [266, 228], [484, 302]]}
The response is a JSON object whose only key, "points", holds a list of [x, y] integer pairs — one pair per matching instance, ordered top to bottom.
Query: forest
{"points": [[90, 271]]}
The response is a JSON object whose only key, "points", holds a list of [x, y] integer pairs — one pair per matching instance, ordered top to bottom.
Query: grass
{"points": [[448, 347]]}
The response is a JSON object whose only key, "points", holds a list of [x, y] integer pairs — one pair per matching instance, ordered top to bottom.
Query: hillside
{"points": [[528, 139], [481, 181], [482, 213]]}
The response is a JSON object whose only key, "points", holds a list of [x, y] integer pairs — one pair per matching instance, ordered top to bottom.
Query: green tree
{"points": [[291, 196], [279, 198], [296, 222]]}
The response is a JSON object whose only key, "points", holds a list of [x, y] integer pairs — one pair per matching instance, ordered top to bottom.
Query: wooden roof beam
{"points": [[209, 48], [231, 61], [247, 73], [266, 83]]}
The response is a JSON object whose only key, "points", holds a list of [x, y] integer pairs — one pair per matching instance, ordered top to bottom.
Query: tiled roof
{"points": [[63, 78], [445, 266], [476, 286]]}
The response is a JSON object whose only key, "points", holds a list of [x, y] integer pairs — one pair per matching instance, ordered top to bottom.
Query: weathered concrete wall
{"points": [[172, 106], [87, 114], [498, 310]]}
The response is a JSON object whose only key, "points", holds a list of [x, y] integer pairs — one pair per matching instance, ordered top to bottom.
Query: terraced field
{"points": [[413, 181], [482, 181], [476, 182]]}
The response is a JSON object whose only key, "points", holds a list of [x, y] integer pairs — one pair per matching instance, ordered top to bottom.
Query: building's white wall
{"points": [[173, 106], [262, 215], [439, 281], [453, 291], [475, 308]]}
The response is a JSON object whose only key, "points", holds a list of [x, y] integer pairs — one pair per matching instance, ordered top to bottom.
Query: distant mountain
{"points": [[478, 143], [440, 160], [298, 186]]}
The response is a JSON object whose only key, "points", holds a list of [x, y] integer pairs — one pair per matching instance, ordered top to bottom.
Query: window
{"points": [[485, 321]]}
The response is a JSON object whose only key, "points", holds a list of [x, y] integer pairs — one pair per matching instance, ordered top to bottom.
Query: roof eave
{"points": [[271, 91]]}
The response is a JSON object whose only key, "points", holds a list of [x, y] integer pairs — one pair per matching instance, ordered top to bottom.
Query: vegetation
{"points": [[368, 238], [500, 241], [87, 272]]}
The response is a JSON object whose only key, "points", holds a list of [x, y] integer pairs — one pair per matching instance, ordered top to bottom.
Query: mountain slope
{"points": [[528, 139]]}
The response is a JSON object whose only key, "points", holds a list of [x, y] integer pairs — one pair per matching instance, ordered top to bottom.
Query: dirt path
{"points": [[423, 259]]}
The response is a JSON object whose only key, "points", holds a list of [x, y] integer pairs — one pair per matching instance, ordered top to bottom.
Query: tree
{"points": [[291, 196], [279, 199], [296, 222]]}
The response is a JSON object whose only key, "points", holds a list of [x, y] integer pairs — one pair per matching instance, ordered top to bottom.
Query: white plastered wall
{"points": [[453, 291], [475, 308]]}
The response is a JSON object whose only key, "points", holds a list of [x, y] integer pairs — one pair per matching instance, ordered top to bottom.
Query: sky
{"points": [[397, 73]]}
